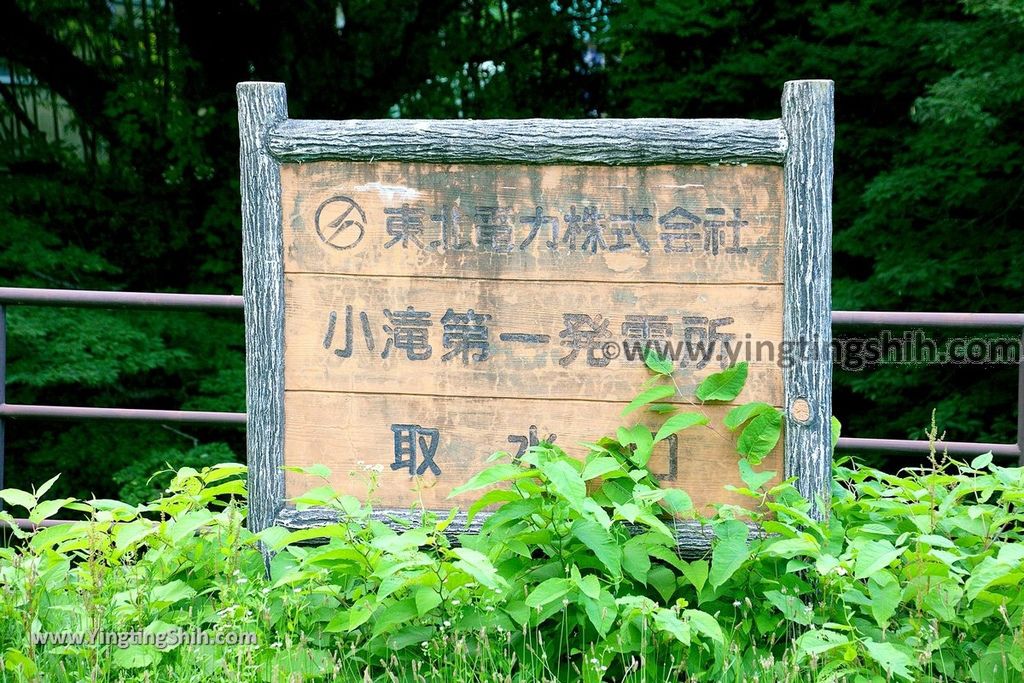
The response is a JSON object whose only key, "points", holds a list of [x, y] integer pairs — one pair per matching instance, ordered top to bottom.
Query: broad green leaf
{"points": [[657, 363], [725, 385], [657, 393], [740, 414], [678, 423], [760, 436], [644, 441], [982, 461], [600, 466], [321, 471], [505, 471], [754, 480], [566, 482], [41, 491], [18, 497], [492, 497], [677, 502], [47, 508], [186, 524], [127, 533], [398, 543], [601, 543], [791, 547], [730, 551], [874, 555], [635, 559], [477, 565], [696, 572], [987, 572], [663, 580], [589, 585], [884, 591], [171, 592], [548, 592], [426, 599], [792, 607], [602, 612], [394, 614], [350, 619], [667, 621], [704, 623], [407, 636], [819, 641], [138, 656], [895, 661]]}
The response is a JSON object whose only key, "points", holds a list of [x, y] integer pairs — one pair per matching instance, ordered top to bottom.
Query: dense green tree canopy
{"points": [[929, 176]]}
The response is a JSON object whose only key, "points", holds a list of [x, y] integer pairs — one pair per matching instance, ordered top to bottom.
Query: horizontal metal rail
{"points": [[84, 298], [993, 321], [35, 412]]}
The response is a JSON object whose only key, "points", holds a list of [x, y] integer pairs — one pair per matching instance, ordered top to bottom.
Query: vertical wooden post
{"points": [[260, 106], [808, 117]]}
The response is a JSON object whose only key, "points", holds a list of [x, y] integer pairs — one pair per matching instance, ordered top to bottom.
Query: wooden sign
{"points": [[420, 294]]}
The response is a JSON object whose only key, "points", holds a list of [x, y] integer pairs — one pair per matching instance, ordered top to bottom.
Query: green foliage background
{"points": [[928, 190]]}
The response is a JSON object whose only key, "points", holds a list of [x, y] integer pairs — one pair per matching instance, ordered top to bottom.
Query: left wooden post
{"points": [[260, 107]]}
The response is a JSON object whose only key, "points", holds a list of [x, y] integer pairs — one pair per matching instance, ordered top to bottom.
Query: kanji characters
{"points": [[449, 218], [537, 220], [629, 222], [404, 224], [494, 228], [679, 229], [332, 320], [408, 332], [465, 333], [584, 333], [702, 337], [412, 440], [528, 440]]}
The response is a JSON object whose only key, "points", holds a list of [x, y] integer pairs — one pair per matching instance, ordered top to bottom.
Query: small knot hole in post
{"points": [[800, 410]]}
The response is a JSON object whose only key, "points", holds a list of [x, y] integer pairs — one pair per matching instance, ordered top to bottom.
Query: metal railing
{"points": [[16, 296]]}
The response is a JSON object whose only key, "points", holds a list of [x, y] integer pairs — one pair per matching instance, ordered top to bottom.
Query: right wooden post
{"points": [[808, 118]]}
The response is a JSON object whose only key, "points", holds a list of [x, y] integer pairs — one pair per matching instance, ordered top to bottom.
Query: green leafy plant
{"points": [[577, 573]]}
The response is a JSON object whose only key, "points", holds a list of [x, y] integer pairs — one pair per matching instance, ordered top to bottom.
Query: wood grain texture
{"points": [[261, 105], [808, 116], [533, 141], [663, 224], [553, 369], [353, 433], [693, 539]]}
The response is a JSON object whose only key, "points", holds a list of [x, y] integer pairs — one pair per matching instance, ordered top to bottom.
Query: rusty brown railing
{"points": [[17, 296]]}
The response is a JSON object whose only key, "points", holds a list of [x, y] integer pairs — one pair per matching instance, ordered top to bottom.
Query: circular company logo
{"points": [[340, 223]]}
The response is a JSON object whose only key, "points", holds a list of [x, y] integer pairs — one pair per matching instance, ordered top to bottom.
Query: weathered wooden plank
{"points": [[260, 105], [808, 115], [533, 141], [699, 224], [541, 339], [448, 440], [693, 539]]}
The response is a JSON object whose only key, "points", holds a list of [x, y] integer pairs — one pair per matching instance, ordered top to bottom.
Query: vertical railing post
{"points": [[1020, 402]]}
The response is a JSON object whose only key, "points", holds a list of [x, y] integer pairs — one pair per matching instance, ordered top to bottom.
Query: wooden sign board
{"points": [[422, 294]]}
